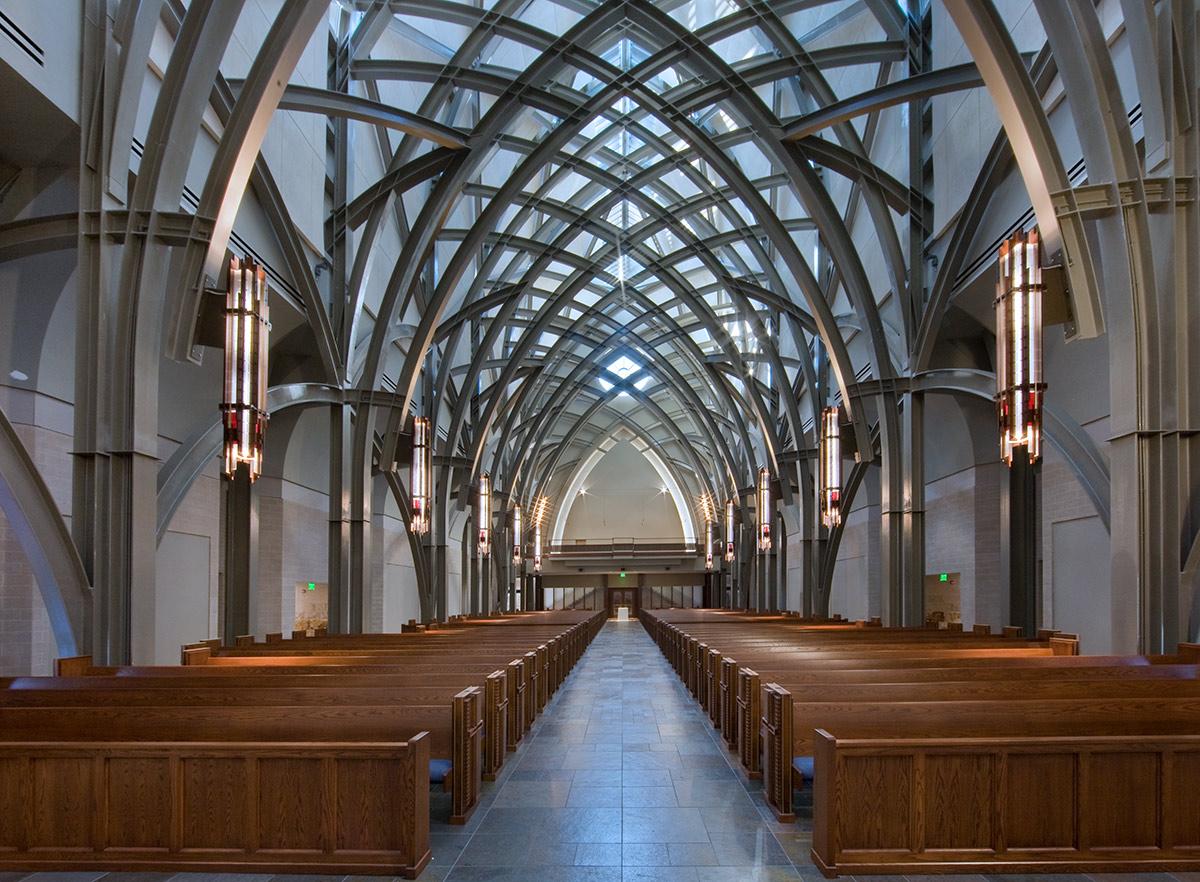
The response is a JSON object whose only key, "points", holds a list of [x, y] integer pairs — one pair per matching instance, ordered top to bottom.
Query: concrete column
{"points": [[241, 556]]}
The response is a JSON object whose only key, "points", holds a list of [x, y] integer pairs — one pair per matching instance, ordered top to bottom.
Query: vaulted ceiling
{"points": [[645, 227]]}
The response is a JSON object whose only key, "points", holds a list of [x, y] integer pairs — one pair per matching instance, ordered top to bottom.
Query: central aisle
{"points": [[624, 778]]}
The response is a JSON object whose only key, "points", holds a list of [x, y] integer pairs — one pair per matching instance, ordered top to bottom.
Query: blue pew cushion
{"points": [[803, 766], [438, 770]]}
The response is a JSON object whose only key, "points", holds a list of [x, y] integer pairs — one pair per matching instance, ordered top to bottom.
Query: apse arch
{"points": [[676, 492]]}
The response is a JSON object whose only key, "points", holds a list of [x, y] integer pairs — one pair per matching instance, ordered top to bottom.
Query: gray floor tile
{"points": [[536, 794], [590, 796], [646, 797], [663, 825], [755, 848], [496, 850], [551, 853], [598, 854], [645, 854], [692, 854], [659, 874], [757, 874]]}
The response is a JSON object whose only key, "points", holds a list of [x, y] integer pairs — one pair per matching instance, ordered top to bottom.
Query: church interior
{"points": [[615, 393]]}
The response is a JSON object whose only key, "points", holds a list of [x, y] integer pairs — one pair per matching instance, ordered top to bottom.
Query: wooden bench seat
{"points": [[1045, 708], [1002, 757], [315, 763], [1073, 803], [222, 806]]}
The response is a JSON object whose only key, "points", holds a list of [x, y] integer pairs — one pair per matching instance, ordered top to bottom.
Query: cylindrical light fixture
{"points": [[247, 336], [1019, 385], [829, 468], [419, 476], [764, 510], [484, 514], [539, 515], [710, 515], [516, 522], [729, 548]]}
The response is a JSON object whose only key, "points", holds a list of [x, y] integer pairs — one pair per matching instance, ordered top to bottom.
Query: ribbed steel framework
{"points": [[673, 219]]}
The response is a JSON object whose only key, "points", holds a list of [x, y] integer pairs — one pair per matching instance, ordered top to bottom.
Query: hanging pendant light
{"points": [[247, 335], [1019, 386], [829, 468], [419, 477], [764, 510], [484, 514], [539, 515], [710, 516], [729, 549], [516, 550]]}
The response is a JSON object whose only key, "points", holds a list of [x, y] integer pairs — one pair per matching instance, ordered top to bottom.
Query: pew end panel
{"points": [[196, 655], [728, 686], [516, 702], [748, 713], [495, 729], [777, 751], [466, 772], [963, 805], [232, 807]]}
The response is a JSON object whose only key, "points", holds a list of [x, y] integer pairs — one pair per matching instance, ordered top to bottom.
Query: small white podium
{"points": [[622, 614]]}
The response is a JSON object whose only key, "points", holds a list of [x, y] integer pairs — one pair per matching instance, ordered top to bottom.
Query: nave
{"points": [[622, 778]]}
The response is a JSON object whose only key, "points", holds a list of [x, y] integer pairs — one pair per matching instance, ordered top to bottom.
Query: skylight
{"points": [[624, 367]]}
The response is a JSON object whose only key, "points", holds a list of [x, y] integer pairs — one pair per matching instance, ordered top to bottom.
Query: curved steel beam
{"points": [[912, 88], [323, 102], [1034, 148], [238, 149], [37, 235], [551, 307], [1063, 433], [177, 474], [43, 536]]}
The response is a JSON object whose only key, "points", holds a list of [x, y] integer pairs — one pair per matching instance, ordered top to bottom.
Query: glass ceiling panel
{"points": [[678, 208]]}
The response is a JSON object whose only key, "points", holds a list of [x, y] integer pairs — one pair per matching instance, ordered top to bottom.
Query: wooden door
{"points": [[622, 597]]}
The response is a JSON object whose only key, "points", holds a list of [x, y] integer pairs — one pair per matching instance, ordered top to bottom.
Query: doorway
{"points": [[627, 597], [943, 600], [312, 606]]}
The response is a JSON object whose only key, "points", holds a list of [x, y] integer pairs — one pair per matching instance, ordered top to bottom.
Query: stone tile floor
{"points": [[623, 778]]}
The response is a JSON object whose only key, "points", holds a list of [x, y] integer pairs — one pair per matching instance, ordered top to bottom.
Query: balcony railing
{"points": [[623, 547]]}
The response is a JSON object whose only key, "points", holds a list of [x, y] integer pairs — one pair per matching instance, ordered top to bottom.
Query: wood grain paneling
{"points": [[297, 784], [959, 797], [14, 799], [1121, 800], [215, 802], [64, 803], [873, 805], [1183, 806], [369, 809], [138, 814], [1046, 820]]}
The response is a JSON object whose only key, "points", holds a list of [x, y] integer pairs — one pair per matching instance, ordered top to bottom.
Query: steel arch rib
{"points": [[1033, 145], [1063, 433], [179, 472], [49, 551]]}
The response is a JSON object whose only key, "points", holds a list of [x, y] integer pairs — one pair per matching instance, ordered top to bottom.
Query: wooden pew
{"points": [[254, 695], [1145, 698], [788, 725], [1106, 803], [225, 807]]}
